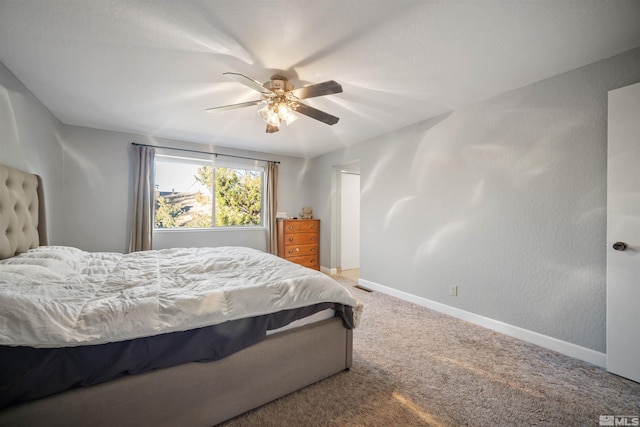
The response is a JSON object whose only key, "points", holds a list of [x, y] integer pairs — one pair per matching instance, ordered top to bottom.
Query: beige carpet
{"points": [[415, 367]]}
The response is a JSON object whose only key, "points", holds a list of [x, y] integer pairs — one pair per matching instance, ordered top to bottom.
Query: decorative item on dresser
{"points": [[299, 241]]}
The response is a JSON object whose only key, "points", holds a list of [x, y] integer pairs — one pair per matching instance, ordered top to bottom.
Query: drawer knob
{"points": [[313, 226], [291, 227], [313, 237], [291, 239], [313, 249], [290, 251]]}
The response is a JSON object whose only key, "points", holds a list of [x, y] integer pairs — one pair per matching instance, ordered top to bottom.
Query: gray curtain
{"points": [[143, 203], [270, 214]]}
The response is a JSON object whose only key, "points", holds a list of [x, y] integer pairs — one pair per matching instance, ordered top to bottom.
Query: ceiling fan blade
{"points": [[241, 78], [320, 89], [234, 106], [314, 113], [272, 129]]}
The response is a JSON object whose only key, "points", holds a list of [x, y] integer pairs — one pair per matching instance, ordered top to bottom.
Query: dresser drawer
{"points": [[297, 226], [300, 239], [299, 250], [310, 261]]}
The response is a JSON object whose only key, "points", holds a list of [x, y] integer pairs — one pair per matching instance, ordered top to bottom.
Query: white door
{"points": [[623, 233]]}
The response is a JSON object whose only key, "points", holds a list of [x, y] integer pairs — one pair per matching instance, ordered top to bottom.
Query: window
{"points": [[194, 193]]}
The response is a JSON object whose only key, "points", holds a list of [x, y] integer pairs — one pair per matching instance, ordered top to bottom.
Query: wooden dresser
{"points": [[299, 241]]}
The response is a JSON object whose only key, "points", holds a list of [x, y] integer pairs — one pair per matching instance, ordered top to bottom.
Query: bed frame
{"points": [[193, 394]]}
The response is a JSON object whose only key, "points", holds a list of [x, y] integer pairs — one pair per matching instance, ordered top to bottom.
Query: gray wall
{"points": [[30, 140], [99, 187], [505, 199]]}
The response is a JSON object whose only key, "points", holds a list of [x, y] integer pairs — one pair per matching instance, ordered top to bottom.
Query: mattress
{"points": [[72, 318]]}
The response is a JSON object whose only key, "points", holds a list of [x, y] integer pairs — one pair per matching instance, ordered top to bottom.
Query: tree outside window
{"points": [[188, 196]]}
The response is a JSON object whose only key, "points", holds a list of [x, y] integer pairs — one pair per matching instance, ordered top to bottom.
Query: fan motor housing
{"points": [[278, 84]]}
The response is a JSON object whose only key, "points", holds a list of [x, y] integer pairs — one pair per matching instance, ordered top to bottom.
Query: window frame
{"points": [[201, 159]]}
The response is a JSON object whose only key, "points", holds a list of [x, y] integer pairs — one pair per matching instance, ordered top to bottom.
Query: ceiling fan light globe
{"points": [[283, 110], [285, 113], [268, 115], [272, 118], [291, 118], [274, 122]]}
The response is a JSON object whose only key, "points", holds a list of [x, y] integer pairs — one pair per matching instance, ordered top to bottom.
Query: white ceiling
{"points": [[153, 67]]}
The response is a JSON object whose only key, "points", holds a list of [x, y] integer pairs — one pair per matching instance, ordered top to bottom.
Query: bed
{"points": [[172, 337]]}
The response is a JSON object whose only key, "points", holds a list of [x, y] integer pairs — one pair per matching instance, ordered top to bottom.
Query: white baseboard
{"points": [[326, 270], [563, 347]]}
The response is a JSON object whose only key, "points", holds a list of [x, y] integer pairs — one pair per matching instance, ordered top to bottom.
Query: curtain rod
{"points": [[203, 152]]}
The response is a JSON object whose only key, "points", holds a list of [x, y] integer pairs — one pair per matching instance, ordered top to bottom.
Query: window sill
{"points": [[208, 230]]}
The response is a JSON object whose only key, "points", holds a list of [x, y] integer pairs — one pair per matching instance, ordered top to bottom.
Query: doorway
{"points": [[348, 199]]}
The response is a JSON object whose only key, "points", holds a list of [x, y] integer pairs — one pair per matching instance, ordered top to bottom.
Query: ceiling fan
{"points": [[282, 100]]}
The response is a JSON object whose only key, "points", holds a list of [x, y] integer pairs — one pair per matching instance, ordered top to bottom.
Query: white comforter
{"points": [[56, 296]]}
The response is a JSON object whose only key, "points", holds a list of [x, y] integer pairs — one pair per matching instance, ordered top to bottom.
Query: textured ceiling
{"points": [[153, 67]]}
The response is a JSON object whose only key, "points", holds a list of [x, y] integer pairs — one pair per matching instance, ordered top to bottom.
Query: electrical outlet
{"points": [[454, 291]]}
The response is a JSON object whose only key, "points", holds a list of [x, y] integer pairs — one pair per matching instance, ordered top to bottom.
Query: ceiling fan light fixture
{"points": [[278, 110]]}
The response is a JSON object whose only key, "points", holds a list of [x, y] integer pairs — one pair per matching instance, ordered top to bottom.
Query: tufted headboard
{"points": [[22, 217]]}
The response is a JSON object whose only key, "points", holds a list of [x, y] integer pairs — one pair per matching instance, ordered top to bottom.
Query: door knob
{"points": [[619, 246]]}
